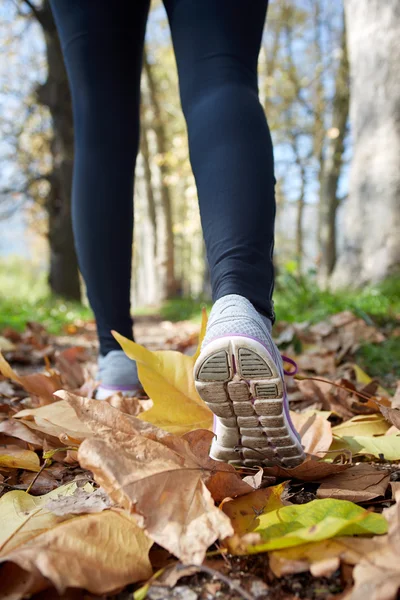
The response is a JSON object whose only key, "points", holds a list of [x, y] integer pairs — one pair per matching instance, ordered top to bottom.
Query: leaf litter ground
{"points": [[119, 499]]}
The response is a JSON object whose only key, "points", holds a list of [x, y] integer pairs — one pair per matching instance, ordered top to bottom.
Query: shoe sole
{"points": [[239, 381]]}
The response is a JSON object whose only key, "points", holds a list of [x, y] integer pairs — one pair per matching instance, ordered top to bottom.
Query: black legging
{"points": [[216, 45]]}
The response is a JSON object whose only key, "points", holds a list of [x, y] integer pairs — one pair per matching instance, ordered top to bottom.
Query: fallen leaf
{"points": [[6, 345], [167, 378], [38, 384], [391, 414], [57, 420], [364, 425], [14, 428], [315, 432], [386, 447], [13, 457], [310, 470], [160, 479], [255, 480], [223, 481], [44, 483], [359, 483], [82, 501], [244, 511], [22, 516], [297, 524], [99, 552], [321, 558], [377, 575]]}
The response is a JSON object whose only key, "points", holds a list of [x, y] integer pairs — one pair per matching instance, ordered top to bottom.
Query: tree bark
{"points": [[55, 94], [331, 168], [372, 218], [165, 242]]}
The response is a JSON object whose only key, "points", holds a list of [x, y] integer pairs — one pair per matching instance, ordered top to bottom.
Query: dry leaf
{"points": [[167, 378], [37, 384], [391, 414], [57, 420], [368, 425], [14, 428], [315, 432], [385, 447], [13, 457], [310, 470], [161, 480], [223, 481], [359, 483], [82, 501], [244, 512], [99, 552], [321, 558], [377, 575]]}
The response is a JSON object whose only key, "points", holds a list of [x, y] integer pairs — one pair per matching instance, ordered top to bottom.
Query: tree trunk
{"points": [[55, 94], [331, 168], [299, 217], [372, 218], [165, 242]]}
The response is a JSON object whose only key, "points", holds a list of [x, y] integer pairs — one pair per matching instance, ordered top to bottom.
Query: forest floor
{"points": [[349, 427]]}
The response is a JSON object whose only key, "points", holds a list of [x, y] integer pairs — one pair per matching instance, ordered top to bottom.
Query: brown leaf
{"points": [[68, 363], [321, 363], [39, 385], [315, 392], [391, 414], [57, 420], [14, 428], [315, 432], [310, 470], [158, 477], [223, 481], [44, 484], [358, 484], [99, 552], [321, 558], [377, 575]]}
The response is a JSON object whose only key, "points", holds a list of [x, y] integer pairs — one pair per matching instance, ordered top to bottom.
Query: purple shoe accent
{"points": [[286, 359], [120, 388]]}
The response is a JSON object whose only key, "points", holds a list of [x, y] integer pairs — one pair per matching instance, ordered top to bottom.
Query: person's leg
{"points": [[102, 44], [216, 46], [239, 372]]}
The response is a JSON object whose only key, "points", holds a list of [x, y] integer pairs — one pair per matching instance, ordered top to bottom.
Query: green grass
{"points": [[24, 296]]}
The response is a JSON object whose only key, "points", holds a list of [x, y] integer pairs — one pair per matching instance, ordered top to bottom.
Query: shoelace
{"points": [[286, 359]]}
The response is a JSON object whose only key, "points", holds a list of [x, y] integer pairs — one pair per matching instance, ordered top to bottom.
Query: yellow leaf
{"points": [[362, 377], [167, 378], [362, 425], [386, 446], [17, 458], [243, 512], [23, 516], [297, 524], [99, 552]]}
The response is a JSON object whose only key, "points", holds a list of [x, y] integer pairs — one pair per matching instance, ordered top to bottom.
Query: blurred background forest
{"points": [[337, 154]]}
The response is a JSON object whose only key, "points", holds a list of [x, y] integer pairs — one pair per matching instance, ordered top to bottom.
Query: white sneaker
{"points": [[117, 373], [240, 376]]}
